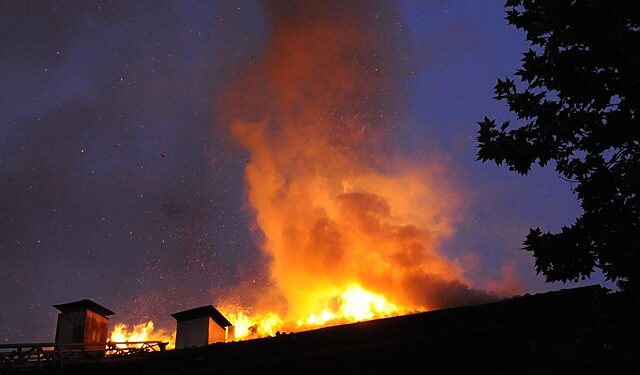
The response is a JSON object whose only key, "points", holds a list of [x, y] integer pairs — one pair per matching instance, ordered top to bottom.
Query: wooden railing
{"points": [[133, 347], [15, 356]]}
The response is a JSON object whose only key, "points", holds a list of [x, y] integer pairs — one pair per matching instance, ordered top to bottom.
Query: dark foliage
{"points": [[577, 100]]}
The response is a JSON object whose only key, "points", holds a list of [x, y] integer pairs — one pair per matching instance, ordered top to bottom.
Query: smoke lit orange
{"points": [[352, 230]]}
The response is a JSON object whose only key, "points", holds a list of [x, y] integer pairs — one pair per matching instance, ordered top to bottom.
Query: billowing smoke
{"points": [[337, 207]]}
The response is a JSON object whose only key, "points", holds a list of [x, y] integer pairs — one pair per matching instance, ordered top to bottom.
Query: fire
{"points": [[351, 229], [354, 304], [351, 305], [252, 325], [140, 332]]}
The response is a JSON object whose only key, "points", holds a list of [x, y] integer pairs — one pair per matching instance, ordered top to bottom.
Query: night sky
{"points": [[119, 183]]}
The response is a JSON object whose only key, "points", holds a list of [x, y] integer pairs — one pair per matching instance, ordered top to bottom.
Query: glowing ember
{"points": [[140, 332]]}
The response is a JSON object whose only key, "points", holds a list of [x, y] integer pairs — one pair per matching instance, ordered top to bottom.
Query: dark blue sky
{"points": [[92, 93]]}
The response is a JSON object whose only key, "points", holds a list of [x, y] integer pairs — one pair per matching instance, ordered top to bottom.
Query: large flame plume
{"points": [[351, 231]]}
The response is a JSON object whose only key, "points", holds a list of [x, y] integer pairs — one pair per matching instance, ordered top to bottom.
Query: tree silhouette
{"points": [[577, 99]]}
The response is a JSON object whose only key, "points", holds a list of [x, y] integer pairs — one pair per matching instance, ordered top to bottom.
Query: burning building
{"points": [[202, 326]]}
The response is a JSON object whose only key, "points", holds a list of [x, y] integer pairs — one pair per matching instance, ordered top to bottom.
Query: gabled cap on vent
{"points": [[85, 304], [199, 312]]}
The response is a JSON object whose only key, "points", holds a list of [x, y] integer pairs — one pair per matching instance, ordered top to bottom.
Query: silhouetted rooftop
{"points": [[551, 333]]}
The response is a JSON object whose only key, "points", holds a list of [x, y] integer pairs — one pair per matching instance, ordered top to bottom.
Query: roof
{"points": [[85, 304], [199, 312], [456, 340]]}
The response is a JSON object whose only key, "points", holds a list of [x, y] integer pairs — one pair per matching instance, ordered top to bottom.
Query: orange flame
{"points": [[351, 230], [354, 304], [252, 325], [140, 332]]}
